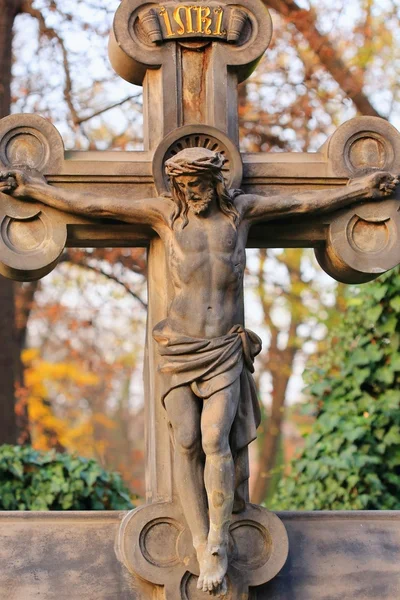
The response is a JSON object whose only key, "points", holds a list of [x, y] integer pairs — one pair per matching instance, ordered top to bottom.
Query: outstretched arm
{"points": [[24, 185], [372, 187]]}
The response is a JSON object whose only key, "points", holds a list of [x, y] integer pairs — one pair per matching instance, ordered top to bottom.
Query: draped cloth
{"points": [[208, 366]]}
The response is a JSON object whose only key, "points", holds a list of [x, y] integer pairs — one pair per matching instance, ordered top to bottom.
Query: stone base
{"points": [[155, 545], [71, 556]]}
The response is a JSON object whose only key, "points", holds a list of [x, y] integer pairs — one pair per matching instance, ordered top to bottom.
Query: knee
{"points": [[187, 440], [215, 441]]}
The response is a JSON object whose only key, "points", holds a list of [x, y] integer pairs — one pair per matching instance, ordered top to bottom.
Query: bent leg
{"points": [[184, 411]]}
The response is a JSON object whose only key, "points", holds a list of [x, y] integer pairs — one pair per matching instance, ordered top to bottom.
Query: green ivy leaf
{"points": [[351, 460], [32, 480]]}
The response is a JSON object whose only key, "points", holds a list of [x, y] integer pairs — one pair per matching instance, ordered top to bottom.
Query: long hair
{"points": [[225, 200]]}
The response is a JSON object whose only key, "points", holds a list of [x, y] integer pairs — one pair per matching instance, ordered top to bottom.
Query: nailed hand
{"points": [[15, 182], [380, 184]]}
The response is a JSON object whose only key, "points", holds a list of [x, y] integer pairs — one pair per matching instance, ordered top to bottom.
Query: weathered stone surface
{"points": [[155, 543], [70, 556], [339, 556], [62, 557]]}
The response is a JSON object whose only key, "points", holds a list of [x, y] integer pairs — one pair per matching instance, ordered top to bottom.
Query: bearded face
{"points": [[199, 191]]}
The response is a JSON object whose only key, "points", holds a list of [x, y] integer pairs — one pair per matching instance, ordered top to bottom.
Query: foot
{"points": [[213, 563], [221, 591]]}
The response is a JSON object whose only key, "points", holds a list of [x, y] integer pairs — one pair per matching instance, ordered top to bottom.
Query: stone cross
{"points": [[190, 58]]}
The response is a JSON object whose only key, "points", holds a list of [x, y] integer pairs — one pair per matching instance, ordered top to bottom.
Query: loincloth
{"points": [[209, 366]]}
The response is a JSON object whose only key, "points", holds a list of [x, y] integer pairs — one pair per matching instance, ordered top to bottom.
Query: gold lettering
{"points": [[198, 9], [205, 12], [165, 15], [220, 15], [178, 19], [193, 19], [189, 20]]}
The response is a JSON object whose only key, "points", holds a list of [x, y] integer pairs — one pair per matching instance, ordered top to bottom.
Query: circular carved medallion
{"points": [[30, 141], [362, 145], [24, 146], [367, 152], [24, 236], [368, 236], [31, 241], [363, 242], [149, 541], [158, 541], [252, 545], [261, 545], [189, 589]]}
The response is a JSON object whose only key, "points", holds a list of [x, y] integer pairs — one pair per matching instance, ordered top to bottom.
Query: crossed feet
{"points": [[213, 562]]}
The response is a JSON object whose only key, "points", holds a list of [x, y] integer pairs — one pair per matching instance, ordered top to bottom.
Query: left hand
{"points": [[377, 185]]}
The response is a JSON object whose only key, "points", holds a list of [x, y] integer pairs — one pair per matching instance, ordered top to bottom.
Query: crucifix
{"points": [[196, 203]]}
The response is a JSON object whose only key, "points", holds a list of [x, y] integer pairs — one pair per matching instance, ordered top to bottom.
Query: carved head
{"points": [[196, 181]]}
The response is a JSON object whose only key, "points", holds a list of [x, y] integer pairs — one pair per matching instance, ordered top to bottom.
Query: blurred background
{"points": [[71, 345]]}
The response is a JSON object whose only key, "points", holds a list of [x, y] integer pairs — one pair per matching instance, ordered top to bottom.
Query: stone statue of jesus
{"points": [[205, 354]]}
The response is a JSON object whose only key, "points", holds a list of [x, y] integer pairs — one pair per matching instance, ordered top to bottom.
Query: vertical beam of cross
{"points": [[186, 82]]}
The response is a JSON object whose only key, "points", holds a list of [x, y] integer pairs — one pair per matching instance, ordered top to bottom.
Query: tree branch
{"points": [[305, 22], [51, 34], [103, 110], [99, 271]]}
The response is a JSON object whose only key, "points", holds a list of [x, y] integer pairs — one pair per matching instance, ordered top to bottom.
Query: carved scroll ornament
{"points": [[32, 236], [364, 241]]}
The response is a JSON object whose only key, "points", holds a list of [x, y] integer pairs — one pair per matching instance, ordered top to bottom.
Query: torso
{"points": [[206, 263]]}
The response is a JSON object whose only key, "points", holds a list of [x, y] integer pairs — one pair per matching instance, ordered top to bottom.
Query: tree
{"points": [[325, 52], [293, 300], [16, 301], [10, 371], [352, 456]]}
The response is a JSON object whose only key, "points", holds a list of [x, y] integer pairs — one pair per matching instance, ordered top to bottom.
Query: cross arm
{"points": [[23, 185], [260, 208], [353, 244]]}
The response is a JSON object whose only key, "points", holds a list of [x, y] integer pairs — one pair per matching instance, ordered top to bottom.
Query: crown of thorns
{"points": [[194, 160]]}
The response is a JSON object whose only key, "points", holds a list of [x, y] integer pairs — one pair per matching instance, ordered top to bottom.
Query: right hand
{"points": [[16, 182]]}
